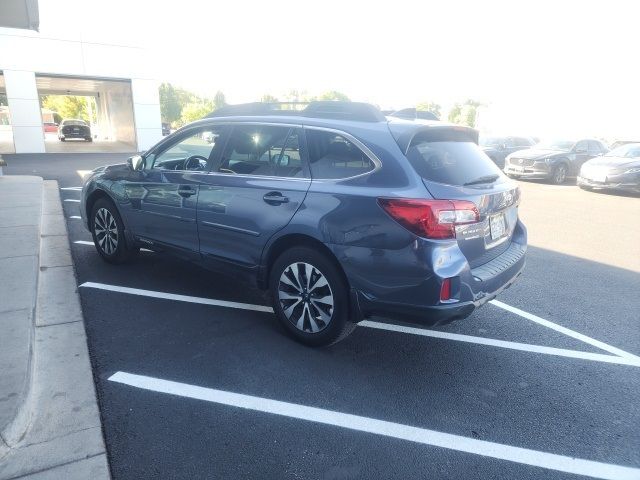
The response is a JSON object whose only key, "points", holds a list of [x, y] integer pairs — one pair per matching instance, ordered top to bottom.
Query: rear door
{"points": [[581, 155], [453, 167], [252, 192]]}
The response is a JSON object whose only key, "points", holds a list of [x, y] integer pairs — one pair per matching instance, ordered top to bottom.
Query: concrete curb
{"points": [[14, 430], [58, 432]]}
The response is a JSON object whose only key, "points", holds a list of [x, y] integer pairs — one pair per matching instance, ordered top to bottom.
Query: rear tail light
{"points": [[435, 219], [445, 290]]}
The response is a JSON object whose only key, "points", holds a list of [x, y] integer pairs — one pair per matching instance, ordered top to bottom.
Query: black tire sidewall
{"points": [[123, 252], [340, 318]]}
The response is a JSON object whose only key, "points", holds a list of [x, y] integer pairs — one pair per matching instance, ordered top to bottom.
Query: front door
{"points": [[254, 190], [164, 200]]}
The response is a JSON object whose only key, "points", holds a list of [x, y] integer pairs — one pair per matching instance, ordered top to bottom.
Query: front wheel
{"points": [[559, 174], [107, 230], [310, 297]]}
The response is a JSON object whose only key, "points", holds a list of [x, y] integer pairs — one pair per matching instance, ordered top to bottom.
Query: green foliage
{"points": [[333, 95], [266, 98], [70, 106], [179, 106], [429, 107], [195, 111], [465, 113]]}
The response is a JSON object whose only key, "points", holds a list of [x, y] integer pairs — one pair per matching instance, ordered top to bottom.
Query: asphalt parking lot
{"points": [[196, 380]]}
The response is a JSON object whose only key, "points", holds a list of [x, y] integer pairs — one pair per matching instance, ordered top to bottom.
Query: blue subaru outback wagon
{"points": [[337, 211]]}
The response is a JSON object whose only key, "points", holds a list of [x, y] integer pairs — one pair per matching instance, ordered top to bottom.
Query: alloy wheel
{"points": [[560, 174], [106, 230], [305, 297]]}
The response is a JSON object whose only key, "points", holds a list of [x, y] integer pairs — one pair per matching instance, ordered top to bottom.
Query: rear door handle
{"points": [[186, 191], [275, 198]]}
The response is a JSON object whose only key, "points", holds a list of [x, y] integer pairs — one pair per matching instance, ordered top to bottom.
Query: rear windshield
{"points": [[74, 122], [453, 161]]}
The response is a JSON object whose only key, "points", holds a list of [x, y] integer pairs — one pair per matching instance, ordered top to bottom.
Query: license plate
{"points": [[518, 169], [599, 177], [497, 226]]}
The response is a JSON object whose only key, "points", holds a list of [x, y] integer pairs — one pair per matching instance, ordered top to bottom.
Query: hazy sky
{"points": [[543, 67]]}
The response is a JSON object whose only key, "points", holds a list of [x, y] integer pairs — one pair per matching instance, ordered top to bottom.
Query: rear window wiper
{"points": [[484, 179]]}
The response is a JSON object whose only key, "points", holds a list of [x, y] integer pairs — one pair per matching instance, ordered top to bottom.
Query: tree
{"points": [[333, 95], [266, 98], [219, 100], [170, 103], [70, 106], [429, 107], [196, 110], [465, 113]]}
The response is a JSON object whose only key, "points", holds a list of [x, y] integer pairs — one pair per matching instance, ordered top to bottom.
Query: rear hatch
{"points": [[453, 167]]}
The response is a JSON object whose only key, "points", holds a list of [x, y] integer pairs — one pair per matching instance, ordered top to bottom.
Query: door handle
{"points": [[186, 191], [275, 198]]}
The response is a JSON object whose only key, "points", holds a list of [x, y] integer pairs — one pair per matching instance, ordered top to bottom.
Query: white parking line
{"points": [[71, 188], [72, 200], [566, 331], [524, 347], [536, 458]]}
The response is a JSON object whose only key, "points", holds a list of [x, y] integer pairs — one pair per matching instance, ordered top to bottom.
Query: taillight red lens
{"points": [[435, 219], [445, 290]]}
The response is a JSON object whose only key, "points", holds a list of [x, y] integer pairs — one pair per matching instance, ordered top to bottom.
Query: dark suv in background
{"points": [[497, 148], [553, 160], [338, 212]]}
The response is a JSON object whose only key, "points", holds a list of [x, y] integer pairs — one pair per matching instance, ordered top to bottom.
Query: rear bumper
{"points": [[619, 182], [396, 289]]}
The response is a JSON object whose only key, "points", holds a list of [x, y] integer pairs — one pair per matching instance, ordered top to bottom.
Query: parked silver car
{"points": [[617, 170]]}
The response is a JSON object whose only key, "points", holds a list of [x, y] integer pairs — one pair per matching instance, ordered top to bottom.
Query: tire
{"points": [[63, 139], [89, 139], [559, 174], [112, 245], [298, 307]]}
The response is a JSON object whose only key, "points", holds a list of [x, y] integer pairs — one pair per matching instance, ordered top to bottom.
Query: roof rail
{"points": [[356, 111]]}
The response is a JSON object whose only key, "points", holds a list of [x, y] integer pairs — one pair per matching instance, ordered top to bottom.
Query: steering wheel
{"points": [[195, 162]]}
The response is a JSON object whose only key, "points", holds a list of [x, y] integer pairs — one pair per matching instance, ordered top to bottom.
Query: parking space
{"points": [[196, 380]]}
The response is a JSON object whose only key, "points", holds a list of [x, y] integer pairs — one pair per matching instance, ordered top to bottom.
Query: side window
{"points": [[581, 147], [594, 147], [263, 150], [189, 153], [333, 156]]}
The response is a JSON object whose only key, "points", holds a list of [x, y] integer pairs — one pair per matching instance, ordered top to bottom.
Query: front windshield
{"points": [[491, 141], [555, 144], [631, 150]]}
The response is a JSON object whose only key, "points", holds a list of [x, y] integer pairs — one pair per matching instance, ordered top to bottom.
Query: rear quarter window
{"points": [[332, 156], [449, 158]]}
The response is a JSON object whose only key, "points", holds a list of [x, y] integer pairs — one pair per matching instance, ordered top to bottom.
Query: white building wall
{"points": [[75, 47], [24, 105]]}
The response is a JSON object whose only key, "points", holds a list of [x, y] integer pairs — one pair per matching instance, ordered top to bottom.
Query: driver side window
{"points": [[189, 153]]}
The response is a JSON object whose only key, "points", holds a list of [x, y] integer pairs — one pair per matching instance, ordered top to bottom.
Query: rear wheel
{"points": [[62, 139], [89, 139], [559, 174], [107, 230], [310, 297]]}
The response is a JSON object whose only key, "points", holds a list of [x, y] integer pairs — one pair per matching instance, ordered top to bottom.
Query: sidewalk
{"points": [[49, 420]]}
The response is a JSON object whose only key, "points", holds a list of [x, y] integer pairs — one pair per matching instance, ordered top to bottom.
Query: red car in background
{"points": [[50, 127]]}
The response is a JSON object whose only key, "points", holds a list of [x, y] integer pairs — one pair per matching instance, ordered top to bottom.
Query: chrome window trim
{"points": [[370, 155]]}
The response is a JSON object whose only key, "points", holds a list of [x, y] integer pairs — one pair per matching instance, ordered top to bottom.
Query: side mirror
{"points": [[284, 160], [136, 163]]}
